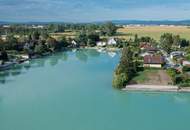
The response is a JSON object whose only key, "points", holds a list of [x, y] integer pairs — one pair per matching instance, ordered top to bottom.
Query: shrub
{"points": [[186, 68], [119, 80], [184, 85]]}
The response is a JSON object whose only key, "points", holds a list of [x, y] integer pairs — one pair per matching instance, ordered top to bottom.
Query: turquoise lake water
{"points": [[72, 91]]}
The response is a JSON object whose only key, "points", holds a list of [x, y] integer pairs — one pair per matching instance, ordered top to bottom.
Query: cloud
{"points": [[92, 10]]}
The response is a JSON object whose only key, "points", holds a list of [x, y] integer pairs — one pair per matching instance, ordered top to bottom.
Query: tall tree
{"points": [[109, 29], [166, 42]]}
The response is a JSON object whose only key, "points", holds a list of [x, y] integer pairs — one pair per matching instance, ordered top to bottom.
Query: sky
{"points": [[93, 10]]}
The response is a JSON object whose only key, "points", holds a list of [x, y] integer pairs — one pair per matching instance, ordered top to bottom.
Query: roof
{"points": [[144, 45], [147, 46], [177, 53], [153, 59], [186, 63]]}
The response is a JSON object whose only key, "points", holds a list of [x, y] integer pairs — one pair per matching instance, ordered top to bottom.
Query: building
{"points": [[6, 26], [4, 37], [112, 41], [74, 43], [101, 44], [144, 45], [147, 47], [177, 54], [153, 61], [186, 63]]}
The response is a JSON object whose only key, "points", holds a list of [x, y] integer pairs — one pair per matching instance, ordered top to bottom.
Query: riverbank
{"points": [[104, 48], [21, 58], [156, 88]]}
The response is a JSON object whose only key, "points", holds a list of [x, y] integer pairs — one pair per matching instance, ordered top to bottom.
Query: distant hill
{"points": [[121, 22], [142, 22]]}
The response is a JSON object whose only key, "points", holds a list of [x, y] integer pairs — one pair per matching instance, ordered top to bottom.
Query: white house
{"points": [[6, 26], [4, 37], [112, 41], [74, 42], [101, 44], [177, 54], [186, 63]]}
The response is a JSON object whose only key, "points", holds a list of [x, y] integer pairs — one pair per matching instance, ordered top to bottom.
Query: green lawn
{"points": [[142, 76]]}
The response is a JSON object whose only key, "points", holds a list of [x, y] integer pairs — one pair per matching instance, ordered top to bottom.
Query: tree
{"points": [[109, 29], [35, 35], [44, 36], [82, 38], [92, 39], [136, 39], [176, 40], [11, 42], [63, 42], [166, 42], [52, 43], [184, 43], [1, 44], [40, 48], [4, 56], [126, 68], [119, 80]]}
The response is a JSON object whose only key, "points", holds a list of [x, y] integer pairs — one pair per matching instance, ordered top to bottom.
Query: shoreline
{"points": [[7, 67], [156, 88]]}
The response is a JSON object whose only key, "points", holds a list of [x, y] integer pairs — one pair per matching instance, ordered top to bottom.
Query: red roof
{"points": [[147, 46], [153, 59]]}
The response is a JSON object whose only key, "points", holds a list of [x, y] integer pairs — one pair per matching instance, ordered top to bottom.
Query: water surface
{"points": [[72, 91]]}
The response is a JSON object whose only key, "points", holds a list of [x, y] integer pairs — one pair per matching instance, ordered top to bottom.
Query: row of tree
{"points": [[25, 29], [169, 41], [126, 69]]}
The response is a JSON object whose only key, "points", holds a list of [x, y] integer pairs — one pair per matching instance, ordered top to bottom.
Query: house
{"points": [[6, 26], [37, 26], [4, 37], [112, 41], [73, 42], [101, 44], [144, 45], [147, 47], [145, 54], [177, 54], [153, 61], [186, 63]]}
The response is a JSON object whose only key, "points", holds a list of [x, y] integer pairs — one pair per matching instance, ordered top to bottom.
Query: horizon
{"points": [[91, 11], [103, 21]]}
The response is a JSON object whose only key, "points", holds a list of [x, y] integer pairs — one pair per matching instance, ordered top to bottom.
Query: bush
{"points": [[186, 68], [119, 80], [184, 85]]}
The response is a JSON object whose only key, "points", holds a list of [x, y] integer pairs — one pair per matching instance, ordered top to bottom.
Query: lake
{"points": [[73, 91]]}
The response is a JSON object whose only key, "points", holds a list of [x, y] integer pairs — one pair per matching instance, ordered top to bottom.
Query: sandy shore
{"points": [[158, 88]]}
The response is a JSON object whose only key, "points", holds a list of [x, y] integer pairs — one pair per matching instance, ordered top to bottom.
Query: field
{"points": [[153, 31], [129, 32], [67, 34]]}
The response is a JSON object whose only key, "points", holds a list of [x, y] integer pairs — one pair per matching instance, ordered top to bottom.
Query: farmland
{"points": [[153, 31], [129, 32]]}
